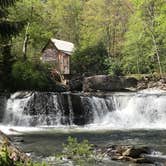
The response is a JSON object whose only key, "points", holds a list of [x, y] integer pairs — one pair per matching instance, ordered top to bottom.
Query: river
{"points": [[41, 122]]}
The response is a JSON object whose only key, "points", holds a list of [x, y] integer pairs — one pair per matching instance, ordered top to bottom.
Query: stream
{"points": [[40, 122]]}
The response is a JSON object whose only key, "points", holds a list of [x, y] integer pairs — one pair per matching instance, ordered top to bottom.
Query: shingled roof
{"points": [[64, 46]]}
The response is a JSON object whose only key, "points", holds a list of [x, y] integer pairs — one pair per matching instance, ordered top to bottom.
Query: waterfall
{"points": [[2, 105], [32, 109], [146, 109], [70, 110], [130, 111], [14, 113]]}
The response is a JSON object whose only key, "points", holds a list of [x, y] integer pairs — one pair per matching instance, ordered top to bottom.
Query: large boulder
{"points": [[76, 83], [107, 83], [137, 152], [142, 155]]}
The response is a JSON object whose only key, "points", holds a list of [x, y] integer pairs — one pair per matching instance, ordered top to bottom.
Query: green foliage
{"points": [[5, 3], [48, 19], [105, 21], [8, 29], [116, 37], [144, 46], [90, 59], [114, 67], [30, 75], [73, 149], [80, 153], [4, 157], [6, 160]]}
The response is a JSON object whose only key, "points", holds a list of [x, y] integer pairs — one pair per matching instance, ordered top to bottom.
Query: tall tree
{"points": [[105, 21], [8, 29], [144, 43]]}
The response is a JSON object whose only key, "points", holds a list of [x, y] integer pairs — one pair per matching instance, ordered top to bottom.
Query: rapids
{"points": [[118, 111]]}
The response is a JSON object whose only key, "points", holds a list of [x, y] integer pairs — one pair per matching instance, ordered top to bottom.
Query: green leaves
{"points": [[6, 3], [9, 29], [144, 42], [80, 153]]}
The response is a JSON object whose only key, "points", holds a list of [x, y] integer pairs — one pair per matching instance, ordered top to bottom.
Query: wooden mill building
{"points": [[58, 52]]}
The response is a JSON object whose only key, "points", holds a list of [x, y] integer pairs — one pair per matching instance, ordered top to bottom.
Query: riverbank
{"points": [[9, 153]]}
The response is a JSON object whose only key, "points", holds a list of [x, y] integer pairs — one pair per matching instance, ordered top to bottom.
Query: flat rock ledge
{"points": [[108, 83], [15, 154]]}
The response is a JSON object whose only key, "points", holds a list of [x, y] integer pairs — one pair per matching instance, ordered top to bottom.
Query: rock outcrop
{"points": [[76, 83], [107, 83], [133, 154]]}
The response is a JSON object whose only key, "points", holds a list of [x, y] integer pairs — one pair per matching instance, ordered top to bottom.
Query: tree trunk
{"points": [[25, 44], [157, 54]]}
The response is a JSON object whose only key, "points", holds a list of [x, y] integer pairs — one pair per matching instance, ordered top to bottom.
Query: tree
{"points": [[105, 21], [8, 29], [37, 31], [144, 44], [90, 60]]}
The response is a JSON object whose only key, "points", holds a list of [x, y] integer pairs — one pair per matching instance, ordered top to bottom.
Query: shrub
{"points": [[90, 59], [115, 67], [32, 76], [80, 153], [5, 159]]}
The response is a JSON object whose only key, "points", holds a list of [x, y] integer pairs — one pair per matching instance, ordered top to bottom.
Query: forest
{"points": [[116, 37], [111, 109]]}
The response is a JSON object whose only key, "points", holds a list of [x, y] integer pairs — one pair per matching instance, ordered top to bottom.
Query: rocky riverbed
{"points": [[141, 155]]}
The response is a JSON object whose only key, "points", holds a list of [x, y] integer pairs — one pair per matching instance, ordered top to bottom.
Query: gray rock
{"points": [[76, 83], [107, 83], [136, 152]]}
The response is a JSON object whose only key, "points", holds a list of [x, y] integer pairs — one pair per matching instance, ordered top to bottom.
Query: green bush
{"points": [[90, 60], [115, 67], [31, 76], [73, 149], [80, 153], [5, 159]]}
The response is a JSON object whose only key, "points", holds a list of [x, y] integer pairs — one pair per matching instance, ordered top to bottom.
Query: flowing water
{"points": [[141, 110], [137, 118]]}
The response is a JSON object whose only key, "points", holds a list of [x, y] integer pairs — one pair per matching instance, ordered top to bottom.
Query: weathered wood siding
{"points": [[52, 55], [64, 63]]}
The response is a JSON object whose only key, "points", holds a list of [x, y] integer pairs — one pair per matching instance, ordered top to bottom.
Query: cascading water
{"points": [[32, 109], [70, 110], [113, 111], [130, 111], [14, 114]]}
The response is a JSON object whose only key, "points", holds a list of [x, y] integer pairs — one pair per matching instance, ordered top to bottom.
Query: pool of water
{"points": [[49, 142]]}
